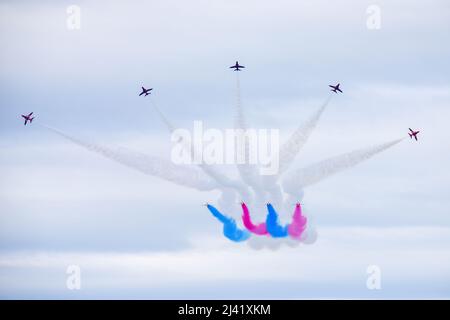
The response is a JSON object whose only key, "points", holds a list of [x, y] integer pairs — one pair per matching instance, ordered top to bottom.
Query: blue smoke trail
{"points": [[272, 224], [230, 229]]}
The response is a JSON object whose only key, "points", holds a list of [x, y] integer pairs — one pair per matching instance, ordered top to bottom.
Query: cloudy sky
{"points": [[136, 236]]}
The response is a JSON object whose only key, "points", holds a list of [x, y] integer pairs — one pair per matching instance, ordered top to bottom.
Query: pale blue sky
{"points": [[60, 204]]}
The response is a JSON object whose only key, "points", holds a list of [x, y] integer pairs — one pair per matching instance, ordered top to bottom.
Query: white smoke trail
{"points": [[161, 115], [239, 121], [299, 137], [291, 148], [149, 165], [248, 172], [314, 173], [221, 179], [226, 182], [276, 194], [227, 202]]}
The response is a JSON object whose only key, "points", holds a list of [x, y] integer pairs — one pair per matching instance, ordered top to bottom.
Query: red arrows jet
{"points": [[236, 67], [335, 88], [145, 91], [28, 118], [413, 133]]}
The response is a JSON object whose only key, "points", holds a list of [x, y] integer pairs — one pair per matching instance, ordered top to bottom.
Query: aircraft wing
{"points": [[415, 137]]}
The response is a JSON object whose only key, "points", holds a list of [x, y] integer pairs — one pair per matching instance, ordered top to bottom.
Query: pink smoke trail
{"points": [[298, 223], [259, 229]]}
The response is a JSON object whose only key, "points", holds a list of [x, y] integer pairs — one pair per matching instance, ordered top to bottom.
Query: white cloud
{"points": [[339, 259]]}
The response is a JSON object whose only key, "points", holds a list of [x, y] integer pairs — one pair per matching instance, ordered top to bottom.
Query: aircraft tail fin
{"points": [[31, 120], [410, 135]]}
